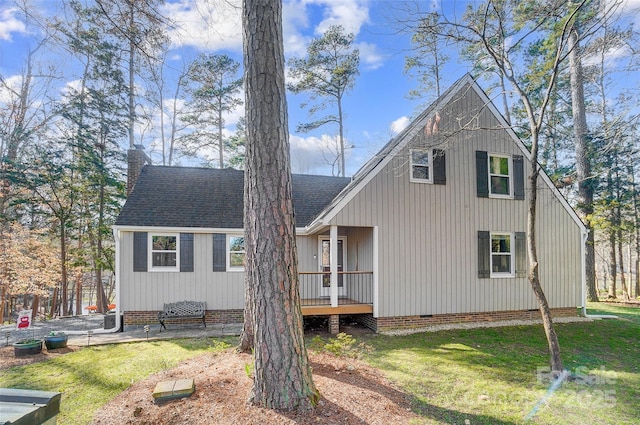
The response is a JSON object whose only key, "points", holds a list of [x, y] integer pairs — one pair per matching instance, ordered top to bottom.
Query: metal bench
{"points": [[182, 310]]}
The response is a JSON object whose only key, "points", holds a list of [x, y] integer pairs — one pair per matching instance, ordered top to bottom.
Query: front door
{"points": [[325, 266]]}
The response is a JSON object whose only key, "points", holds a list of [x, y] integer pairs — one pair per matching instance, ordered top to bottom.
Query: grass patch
{"points": [[492, 376], [497, 376], [90, 377]]}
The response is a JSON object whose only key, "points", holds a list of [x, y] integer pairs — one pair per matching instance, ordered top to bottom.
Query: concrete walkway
{"points": [[78, 328]]}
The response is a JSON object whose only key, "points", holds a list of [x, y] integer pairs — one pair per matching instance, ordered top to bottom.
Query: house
{"points": [[430, 230]]}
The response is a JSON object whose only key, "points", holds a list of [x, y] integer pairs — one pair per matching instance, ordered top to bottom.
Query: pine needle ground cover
{"points": [[90, 377]]}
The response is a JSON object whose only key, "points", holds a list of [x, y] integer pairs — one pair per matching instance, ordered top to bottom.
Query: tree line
{"points": [[588, 133], [63, 147], [62, 151]]}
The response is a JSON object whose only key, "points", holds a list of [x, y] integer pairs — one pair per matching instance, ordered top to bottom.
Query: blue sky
{"points": [[376, 109]]}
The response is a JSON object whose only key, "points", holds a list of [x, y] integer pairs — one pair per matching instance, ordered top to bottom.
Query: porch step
{"points": [[170, 390]]}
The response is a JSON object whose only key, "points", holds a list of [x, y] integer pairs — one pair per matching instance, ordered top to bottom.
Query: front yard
{"points": [[499, 375], [479, 376]]}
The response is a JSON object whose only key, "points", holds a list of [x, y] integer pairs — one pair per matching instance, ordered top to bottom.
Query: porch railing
{"points": [[353, 288]]}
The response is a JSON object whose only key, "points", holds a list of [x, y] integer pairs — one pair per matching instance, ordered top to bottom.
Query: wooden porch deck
{"points": [[310, 307]]}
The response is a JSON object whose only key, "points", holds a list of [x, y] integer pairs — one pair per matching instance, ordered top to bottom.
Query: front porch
{"points": [[338, 272], [355, 293]]}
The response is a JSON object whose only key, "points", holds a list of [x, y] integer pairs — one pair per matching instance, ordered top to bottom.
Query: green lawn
{"points": [[481, 376], [497, 376]]}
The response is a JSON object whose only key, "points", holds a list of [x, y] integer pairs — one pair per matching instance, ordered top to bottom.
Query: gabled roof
{"points": [[388, 151], [368, 171], [185, 197]]}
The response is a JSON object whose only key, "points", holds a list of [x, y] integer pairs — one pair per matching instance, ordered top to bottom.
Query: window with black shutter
{"points": [[499, 176], [139, 251], [186, 252], [219, 252], [502, 254]]}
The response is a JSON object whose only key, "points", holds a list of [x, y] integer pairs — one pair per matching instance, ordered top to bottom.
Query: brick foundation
{"points": [[213, 317], [334, 324], [380, 324], [383, 324]]}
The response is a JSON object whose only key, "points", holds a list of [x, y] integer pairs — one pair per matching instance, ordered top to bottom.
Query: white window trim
{"points": [[510, 159], [412, 179], [150, 251], [512, 254], [231, 268]]}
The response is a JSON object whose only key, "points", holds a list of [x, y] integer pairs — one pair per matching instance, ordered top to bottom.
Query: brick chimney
{"points": [[136, 159]]}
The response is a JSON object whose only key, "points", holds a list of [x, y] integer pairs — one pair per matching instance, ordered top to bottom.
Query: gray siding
{"points": [[428, 233], [144, 291], [147, 291]]}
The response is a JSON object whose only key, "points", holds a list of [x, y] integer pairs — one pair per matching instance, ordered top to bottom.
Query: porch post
{"points": [[333, 260], [375, 272]]}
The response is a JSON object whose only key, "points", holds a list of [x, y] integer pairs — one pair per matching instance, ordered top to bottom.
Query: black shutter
{"points": [[439, 167], [482, 174], [518, 177], [139, 251], [186, 252], [219, 252], [484, 253], [521, 254]]}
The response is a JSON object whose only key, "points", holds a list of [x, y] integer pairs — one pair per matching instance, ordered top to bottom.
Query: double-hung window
{"points": [[421, 170], [499, 176], [162, 252], [235, 252], [163, 255], [502, 255]]}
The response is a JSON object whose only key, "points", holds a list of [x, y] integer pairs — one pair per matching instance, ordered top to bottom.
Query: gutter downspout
{"points": [[116, 237], [583, 278]]}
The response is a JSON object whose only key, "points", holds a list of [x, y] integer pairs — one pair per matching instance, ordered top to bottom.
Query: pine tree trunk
{"points": [[131, 92], [583, 160], [613, 266], [623, 280], [64, 283], [79, 293], [3, 302], [54, 303], [35, 306], [247, 336], [282, 373]]}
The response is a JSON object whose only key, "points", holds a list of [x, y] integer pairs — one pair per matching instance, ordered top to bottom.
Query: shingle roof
{"points": [[213, 198]]}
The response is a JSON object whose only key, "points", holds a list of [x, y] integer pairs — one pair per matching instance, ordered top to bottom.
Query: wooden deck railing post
{"points": [[333, 260]]}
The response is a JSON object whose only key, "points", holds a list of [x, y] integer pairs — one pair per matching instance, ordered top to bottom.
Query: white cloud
{"points": [[351, 14], [294, 20], [9, 24], [206, 25], [369, 56], [11, 84], [71, 87], [398, 125], [312, 155]]}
